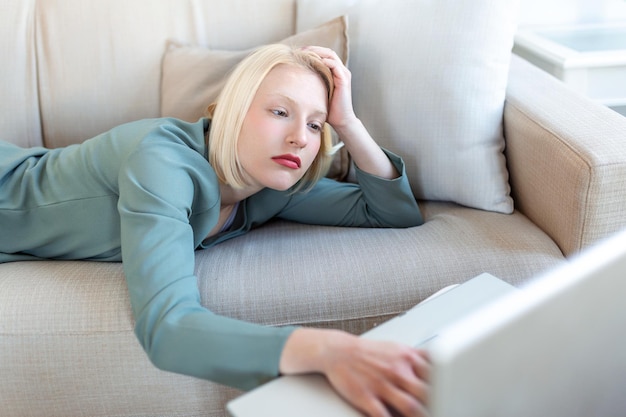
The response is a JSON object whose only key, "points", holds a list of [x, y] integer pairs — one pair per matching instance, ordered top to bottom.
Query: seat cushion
{"points": [[289, 273], [352, 278], [68, 325]]}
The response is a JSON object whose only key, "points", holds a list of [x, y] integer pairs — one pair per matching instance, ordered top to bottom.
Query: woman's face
{"points": [[281, 133]]}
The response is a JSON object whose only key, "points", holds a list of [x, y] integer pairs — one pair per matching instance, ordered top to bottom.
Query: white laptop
{"points": [[557, 348]]}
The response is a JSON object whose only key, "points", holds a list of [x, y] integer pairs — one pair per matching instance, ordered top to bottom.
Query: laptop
{"points": [[554, 347], [311, 395]]}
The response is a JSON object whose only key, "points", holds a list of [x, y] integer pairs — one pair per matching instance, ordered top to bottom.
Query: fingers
{"points": [[324, 53], [331, 59], [341, 110], [421, 365], [380, 378], [406, 388], [409, 391], [365, 400], [392, 400], [402, 404]]}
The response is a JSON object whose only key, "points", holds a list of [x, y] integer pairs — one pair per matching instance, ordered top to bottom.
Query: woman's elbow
{"points": [[410, 217], [148, 337]]}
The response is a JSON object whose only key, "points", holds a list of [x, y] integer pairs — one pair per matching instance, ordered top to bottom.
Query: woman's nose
{"points": [[298, 135]]}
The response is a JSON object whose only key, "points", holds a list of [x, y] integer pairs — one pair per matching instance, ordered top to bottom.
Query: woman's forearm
{"points": [[365, 152], [306, 350]]}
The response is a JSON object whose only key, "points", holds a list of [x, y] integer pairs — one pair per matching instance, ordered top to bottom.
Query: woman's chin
{"points": [[282, 184], [281, 187]]}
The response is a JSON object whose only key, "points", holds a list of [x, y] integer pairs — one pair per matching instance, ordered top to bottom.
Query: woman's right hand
{"points": [[374, 376]]}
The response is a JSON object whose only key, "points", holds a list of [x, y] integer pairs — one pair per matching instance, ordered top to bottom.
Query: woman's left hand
{"points": [[341, 111], [365, 153]]}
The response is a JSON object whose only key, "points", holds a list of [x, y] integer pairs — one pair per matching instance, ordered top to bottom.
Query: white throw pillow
{"points": [[429, 82]]}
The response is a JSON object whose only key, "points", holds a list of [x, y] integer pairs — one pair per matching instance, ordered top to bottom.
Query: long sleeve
{"points": [[145, 194], [159, 202], [373, 202], [157, 246]]}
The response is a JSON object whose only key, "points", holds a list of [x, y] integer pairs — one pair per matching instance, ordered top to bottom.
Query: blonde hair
{"points": [[232, 105]]}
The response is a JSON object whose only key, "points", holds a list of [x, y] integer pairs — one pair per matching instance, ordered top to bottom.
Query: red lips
{"points": [[288, 160]]}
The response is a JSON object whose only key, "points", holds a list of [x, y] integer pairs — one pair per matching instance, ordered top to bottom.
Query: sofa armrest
{"points": [[566, 157]]}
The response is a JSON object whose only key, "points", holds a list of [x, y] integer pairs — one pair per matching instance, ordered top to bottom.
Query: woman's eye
{"points": [[280, 113], [315, 126]]}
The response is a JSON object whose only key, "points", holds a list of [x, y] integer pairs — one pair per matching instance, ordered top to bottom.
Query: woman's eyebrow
{"points": [[315, 112]]}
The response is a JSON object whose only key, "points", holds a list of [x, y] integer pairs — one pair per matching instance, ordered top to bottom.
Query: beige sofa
{"points": [[73, 68]]}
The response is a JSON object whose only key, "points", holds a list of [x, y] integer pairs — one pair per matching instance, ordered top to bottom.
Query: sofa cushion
{"points": [[99, 62], [193, 76], [429, 83], [19, 102], [354, 277], [64, 322], [68, 325]]}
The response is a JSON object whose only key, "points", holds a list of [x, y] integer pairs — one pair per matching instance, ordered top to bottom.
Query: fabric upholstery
{"points": [[77, 68], [193, 76], [119, 81], [19, 108], [444, 108], [578, 200], [268, 259], [365, 272], [75, 319], [74, 323]]}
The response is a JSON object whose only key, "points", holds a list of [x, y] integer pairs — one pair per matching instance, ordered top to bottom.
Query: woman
{"points": [[151, 192]]}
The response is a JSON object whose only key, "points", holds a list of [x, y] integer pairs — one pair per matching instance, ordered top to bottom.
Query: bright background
{"points": [[542, 12]]}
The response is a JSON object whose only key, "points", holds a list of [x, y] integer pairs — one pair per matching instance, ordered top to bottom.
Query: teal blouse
{"points": [[144, 194]]}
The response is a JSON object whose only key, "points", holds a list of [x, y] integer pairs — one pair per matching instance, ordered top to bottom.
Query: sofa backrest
{"points": [[74, 68], [428, 80], [19, 100]]}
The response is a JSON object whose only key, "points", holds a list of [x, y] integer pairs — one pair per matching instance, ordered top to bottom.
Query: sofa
{"points": [[514, 174]]}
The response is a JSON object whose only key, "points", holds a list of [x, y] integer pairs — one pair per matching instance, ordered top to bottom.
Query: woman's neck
{"points": [[231, 196]]}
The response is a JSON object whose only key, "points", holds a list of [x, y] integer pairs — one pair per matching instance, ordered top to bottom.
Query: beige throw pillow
{"points": [[193, 76]]}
